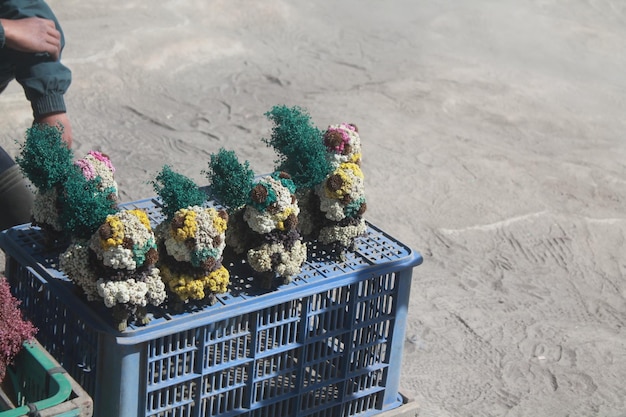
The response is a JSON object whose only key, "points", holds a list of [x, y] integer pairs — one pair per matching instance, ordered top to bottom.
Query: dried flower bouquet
{"points": [[191, 241]]}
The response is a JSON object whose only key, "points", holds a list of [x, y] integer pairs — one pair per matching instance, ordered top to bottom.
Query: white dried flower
{"points": [[332, 208], [44, 209], [264, 221], [344, 235], [119, 257], [262, 259], [74, 262], [156, 288], [122, 292]]}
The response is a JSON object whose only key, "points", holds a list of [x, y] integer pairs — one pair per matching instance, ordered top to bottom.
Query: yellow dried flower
{"points": [[355, 158], [349, 166], [345, 179], [142, 216], [282, 216], [219, 223], [189, 226], [116, 236], [217, 281], [187, 287], [195, 289]]}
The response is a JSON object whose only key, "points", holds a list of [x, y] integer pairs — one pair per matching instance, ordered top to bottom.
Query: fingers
{"points": [[33, 35], [52, 39], [53, 47]]}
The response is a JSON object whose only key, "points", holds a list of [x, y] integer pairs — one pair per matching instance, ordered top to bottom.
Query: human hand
{"points": [[32, 35], [61, 122]]}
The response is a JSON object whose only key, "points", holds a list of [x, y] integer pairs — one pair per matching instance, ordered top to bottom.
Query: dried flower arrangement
{"points": [[47, 163], [327, 175], [342, 194], [272, 213], [265, 225], [191, 241], [112, 253], [116, 266], [14, 329]]}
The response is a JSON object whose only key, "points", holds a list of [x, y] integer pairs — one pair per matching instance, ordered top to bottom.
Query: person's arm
{"points": [[33, 33]]}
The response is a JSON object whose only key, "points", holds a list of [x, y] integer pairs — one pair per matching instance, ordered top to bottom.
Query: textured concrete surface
{"points": [[493, 135]]}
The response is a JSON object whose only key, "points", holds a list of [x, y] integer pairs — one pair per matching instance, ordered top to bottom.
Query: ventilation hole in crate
{"points": [[279, 336], [228, 350], [171, 357], [324, 362], [276, 374], [226, 381], [224, 391], [328, 394], [176, 400], [363, 403], [277, 408]]}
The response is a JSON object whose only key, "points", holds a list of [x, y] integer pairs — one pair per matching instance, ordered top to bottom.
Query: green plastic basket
{"points": [[37, 385]]}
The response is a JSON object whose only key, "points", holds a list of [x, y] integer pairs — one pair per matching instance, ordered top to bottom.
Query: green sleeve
{"points": [[1, 36], [44, 81]]}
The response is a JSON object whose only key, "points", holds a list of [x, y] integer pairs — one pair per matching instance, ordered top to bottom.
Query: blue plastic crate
{"points": [[328, 344]]}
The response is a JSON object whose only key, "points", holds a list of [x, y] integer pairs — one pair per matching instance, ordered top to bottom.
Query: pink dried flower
{"points": [[336, 138], [103, 158], [88, 170], [14, 330]]}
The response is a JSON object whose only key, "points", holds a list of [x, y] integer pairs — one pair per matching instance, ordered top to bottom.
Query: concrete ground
{"points": [[493, 143]]}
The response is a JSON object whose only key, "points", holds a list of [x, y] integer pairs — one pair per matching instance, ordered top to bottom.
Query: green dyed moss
{"points": [[299, 145], [44, 158], [231, 181], [285, 182], [177, 191], [83, 207]]}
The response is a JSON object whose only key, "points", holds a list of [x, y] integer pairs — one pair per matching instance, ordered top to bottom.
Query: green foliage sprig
{"points": [[299, 145], [44, 158], [231, 181], [177, 191], [83, 206]]}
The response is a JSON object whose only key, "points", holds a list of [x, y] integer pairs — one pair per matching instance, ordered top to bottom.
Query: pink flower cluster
{"points": [[345, 138], [103, 158], [89, 172], [14, 330]]}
